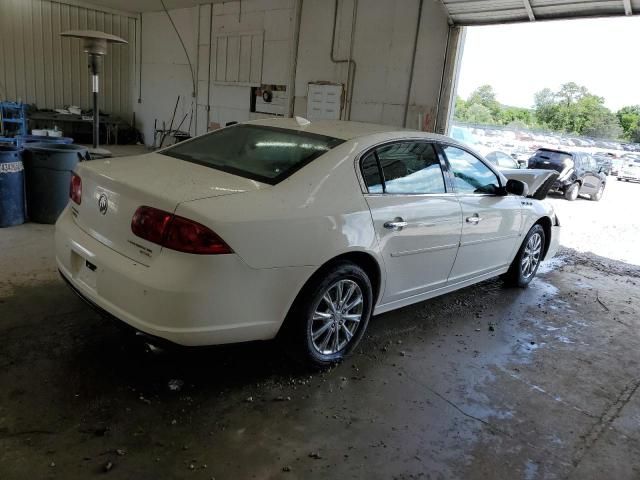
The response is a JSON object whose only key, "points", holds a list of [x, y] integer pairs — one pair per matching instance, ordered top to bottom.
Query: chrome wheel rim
{"points": [[531, 255], [336, 317]]}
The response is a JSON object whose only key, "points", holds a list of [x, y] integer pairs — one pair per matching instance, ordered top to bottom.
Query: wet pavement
{"points": [[486, 382]]}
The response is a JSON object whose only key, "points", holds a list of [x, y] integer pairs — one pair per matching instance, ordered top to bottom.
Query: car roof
{"points": [[343, 130]]}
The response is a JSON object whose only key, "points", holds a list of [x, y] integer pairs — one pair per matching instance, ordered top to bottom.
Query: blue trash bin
{"points": [[48, 168], [11, 186]]}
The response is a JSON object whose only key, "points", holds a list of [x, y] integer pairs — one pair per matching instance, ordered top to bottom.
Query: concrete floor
{"points": [[486, 382]]}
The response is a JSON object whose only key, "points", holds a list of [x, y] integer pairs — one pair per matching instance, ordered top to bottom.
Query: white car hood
{"points": [[539, 181]]}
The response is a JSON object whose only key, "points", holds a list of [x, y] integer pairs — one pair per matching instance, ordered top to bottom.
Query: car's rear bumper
{"points": [[186, 299], [156, 341]]}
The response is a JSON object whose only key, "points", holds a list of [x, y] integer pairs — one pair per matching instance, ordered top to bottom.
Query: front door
{"points": [[591, 177], [417, 221], [491, 222]]}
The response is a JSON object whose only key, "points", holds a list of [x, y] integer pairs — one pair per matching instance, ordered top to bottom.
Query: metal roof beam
{"points": [[627, 7], [532, 17]]}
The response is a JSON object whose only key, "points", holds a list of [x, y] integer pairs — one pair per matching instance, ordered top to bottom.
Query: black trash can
{"points": [[48, 168], [11, 186]]}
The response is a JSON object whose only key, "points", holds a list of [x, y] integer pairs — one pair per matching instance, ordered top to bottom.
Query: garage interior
{"points": [[481, 383]]}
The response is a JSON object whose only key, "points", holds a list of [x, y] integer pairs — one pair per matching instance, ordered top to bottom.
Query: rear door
{"points": [[416, 219], [491, 221]]}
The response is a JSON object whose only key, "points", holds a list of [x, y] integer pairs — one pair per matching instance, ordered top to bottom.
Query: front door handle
{"points": [[474, 219], [396, 224]]}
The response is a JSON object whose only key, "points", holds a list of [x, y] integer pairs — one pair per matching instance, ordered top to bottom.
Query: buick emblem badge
{"points": [[103, 204]]}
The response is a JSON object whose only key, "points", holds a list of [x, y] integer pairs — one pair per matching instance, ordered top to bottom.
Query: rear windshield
{"points": [[266, 154], [552, 157]]}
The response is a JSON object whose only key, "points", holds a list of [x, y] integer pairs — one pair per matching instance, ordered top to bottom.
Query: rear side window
{"points": [[266, 154], [407, 168], [371, 174]]}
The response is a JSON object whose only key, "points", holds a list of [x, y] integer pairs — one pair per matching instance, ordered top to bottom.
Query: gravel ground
{"points": [[609, 228]]}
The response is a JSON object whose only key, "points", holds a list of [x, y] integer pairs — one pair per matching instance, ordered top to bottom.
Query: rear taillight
{"points": [[75, 188], [151, 224], [177, 233]]}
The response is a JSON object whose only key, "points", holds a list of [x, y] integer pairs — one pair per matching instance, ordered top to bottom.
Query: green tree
{"points": [[570, 93], [485, 96], [545, 106], [573, 109], [460, 111], [478, 113], [511, 115], [629, 118]]}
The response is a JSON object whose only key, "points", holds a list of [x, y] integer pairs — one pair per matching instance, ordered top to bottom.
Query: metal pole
{"points": [[94, 61], [412, 68]]}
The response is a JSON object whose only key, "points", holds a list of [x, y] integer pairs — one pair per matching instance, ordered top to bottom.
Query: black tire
{"points": [[619, 179], [571, 192], [596, 197], [515, 276], [296, 335]]}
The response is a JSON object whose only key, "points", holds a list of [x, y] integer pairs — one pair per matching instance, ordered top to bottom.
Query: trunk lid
{"points": [[113, 189]]}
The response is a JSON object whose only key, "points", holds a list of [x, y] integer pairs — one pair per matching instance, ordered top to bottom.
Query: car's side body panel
{"points": [[489, 244], [419, 256]]}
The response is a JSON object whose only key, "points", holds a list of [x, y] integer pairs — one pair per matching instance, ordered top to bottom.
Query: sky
{"points": [[521, 59]]}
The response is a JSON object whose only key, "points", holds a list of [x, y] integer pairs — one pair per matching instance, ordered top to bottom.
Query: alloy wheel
{"points": [[531, 255], [337, 316]]}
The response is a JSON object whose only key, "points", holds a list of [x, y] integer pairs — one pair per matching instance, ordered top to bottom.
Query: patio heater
{"points": [[95, 45]]}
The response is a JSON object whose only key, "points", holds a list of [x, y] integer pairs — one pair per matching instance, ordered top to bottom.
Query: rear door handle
{"points": [[475, 219], [396, 224]]}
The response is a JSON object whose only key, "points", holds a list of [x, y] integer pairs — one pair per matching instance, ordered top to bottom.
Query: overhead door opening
{"points": [[525, 92]]}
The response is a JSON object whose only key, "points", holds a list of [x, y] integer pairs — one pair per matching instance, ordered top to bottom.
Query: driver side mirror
{"points": [[516, 187]]}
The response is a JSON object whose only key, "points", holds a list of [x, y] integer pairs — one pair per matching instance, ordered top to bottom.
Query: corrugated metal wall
{"points": [[38, 66]]}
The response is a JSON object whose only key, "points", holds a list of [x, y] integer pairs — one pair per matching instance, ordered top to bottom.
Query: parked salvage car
{"points": [[502, 160], [604, 163], [630, 169], [579, 172], [295, 230]]}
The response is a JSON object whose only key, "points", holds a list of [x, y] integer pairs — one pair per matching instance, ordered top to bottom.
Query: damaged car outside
{"points": [[296, 230]]}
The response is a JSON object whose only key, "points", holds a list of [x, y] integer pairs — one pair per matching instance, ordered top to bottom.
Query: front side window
{"points": [[262, 153], [410, 168], [470, 174]]}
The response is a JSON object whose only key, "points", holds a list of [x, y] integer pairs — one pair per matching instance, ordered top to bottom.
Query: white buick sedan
{"points": [[297, 230]]}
